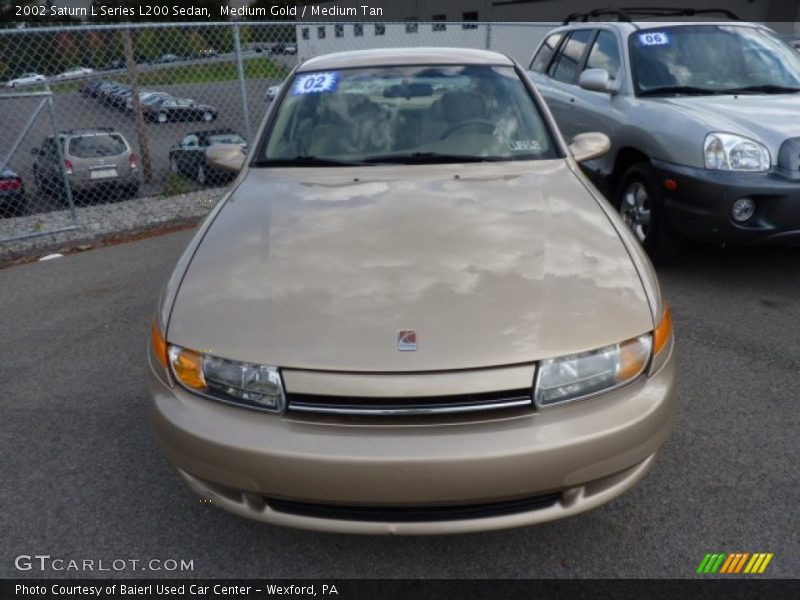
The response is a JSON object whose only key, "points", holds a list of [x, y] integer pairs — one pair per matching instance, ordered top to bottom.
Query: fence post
{"points": [[488, 36], [242, 85], [136, 101], [60, 150]]}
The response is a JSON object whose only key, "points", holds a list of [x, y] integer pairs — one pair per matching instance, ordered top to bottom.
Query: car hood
{"points": [[768, 118], [491, 264]]}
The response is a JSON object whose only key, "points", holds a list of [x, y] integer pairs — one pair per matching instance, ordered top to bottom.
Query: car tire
{"points": [[208, 116], [161, 117], [173, 165], [201, 174], [41, 185], [640, 201], [21, 207]]}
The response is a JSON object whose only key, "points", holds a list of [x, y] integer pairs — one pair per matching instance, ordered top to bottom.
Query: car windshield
{"points": [[712, 59], [428, 113], [93, 146]]}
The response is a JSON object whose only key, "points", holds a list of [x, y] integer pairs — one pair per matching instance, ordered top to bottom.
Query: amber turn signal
{"points": [[663, 331], [158, 344], [188, 367]]}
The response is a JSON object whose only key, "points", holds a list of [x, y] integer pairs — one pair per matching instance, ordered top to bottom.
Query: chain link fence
{"points": [[108, 114]]}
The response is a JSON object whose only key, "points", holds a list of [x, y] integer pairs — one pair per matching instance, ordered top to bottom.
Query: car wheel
{"points": [[208, 116], [162, 117], [173, 164], [201, 175], [41, 185], [640, 202], [21, 206]]}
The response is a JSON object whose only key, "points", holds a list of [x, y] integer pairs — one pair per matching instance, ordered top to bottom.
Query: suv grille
{"points": [[356, 405]]}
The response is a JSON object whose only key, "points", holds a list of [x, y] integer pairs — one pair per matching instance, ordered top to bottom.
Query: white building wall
{"points": [[516, 40]]}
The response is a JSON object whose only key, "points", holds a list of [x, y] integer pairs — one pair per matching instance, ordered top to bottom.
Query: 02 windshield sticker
{"points": [[654, 38], [315, 83], [523, 145]]}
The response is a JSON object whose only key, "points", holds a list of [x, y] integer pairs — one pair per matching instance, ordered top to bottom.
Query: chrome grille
{"points": [[388, 406]]}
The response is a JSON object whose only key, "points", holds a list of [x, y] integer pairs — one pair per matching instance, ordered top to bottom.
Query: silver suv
{"points": [[703, 119], [95, 160]]}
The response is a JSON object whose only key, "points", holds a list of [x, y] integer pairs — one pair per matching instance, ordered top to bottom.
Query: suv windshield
{"points": [[712, 59], [450, 113], [92, 146]]}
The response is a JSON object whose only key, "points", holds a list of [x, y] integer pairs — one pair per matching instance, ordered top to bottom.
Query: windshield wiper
{"points": [[764, 89], [689, 90], [428, 157], [307, 160]]}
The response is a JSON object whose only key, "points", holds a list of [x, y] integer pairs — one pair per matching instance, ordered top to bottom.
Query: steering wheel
{"points": [[484, 123]]}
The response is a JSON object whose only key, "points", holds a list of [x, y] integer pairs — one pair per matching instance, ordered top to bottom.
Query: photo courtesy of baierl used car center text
{"points": [[365, 299]]}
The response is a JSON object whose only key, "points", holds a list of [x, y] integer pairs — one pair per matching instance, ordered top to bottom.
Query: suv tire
{"points": [[640, 202]]}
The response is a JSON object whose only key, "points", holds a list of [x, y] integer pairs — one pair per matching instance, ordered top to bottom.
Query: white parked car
{"points": [[74, 72], [27, 79], [144, 96]]}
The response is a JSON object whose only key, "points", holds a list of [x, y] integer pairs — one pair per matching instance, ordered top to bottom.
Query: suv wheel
{"points": [[208, 116], [162, 117], [640, 202]]}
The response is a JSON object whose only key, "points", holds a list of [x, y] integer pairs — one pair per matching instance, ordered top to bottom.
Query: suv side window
{"points": [[545, 53], [605, 54], [565, 66]]}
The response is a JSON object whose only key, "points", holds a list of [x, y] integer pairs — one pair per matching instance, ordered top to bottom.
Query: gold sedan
{"points": [[412, 313]]}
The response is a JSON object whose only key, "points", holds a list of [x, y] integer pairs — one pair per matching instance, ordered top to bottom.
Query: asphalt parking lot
{"points": [[73, 110], [82, 477]]}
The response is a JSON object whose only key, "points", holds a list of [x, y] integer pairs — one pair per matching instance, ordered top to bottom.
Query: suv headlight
{"points": [[729, 152], [580, 375], [247, 384]]}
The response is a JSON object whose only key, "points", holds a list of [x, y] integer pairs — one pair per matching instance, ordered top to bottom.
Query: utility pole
{"points": [[141, 128]]}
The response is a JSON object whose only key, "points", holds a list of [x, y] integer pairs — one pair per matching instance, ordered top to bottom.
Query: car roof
{"points": [[636, 25], [404, 56], [87, 131]]}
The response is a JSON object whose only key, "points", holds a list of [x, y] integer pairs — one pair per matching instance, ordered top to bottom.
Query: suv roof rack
{"points": [[626, 15]]}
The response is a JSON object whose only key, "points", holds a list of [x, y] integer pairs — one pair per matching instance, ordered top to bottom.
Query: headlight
{"points": [[728, 152], [580, 375], [247, 384]]}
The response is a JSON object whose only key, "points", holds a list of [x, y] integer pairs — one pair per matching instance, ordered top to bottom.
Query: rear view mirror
{"points": [[597, 80], [587, 146], [226, 157]]}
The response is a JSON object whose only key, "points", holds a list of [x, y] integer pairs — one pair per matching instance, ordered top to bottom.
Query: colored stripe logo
{"points": [[734, 563]]}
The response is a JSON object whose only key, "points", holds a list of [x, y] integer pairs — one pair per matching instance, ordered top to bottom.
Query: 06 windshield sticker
{"points": [[654, 38], [315, 83]]}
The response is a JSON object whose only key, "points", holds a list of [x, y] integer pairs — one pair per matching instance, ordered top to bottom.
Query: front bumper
{"points": [[700, 207], [578, 456]]}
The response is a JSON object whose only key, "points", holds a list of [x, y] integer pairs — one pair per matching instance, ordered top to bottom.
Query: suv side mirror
{"points": [[597, 80], [588, 146], [226, 157]]}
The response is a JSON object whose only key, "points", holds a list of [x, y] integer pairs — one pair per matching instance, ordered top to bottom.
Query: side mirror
{"points": [[597, 80], [588, 146], [226, 157]]}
